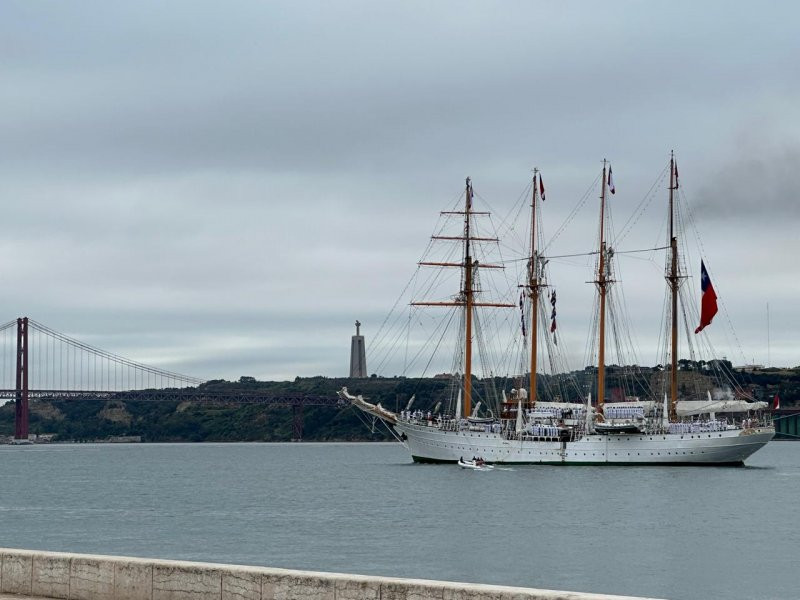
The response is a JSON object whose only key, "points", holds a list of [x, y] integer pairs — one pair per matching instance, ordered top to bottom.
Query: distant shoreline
{"points": [[205, 442]]}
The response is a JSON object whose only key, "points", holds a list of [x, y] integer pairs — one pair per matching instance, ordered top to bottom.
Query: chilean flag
{"points": [[541, 188], [708, 303]]}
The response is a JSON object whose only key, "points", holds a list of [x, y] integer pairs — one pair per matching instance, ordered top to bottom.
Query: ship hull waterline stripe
{"points": [[573, 463]]}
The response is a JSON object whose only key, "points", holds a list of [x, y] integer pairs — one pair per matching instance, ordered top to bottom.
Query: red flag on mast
{"points": [[541, 187], [708, 303], [776, 402]]}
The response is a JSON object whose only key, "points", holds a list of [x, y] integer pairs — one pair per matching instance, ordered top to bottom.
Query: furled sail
{"points": [[687, 408]]}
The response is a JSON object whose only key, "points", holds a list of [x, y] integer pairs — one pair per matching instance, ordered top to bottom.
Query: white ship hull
{"points": [[730, 447]]}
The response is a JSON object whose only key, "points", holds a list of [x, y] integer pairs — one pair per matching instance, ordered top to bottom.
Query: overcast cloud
{"points": [[222, 189]]}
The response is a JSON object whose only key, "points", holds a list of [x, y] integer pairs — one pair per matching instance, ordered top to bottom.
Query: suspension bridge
{"points": [[38, 363]]}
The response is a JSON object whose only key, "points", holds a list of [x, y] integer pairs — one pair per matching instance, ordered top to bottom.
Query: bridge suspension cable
{"points": [[56, 361], [40, 364]]}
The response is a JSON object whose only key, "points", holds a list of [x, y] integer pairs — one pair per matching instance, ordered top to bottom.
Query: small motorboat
{"points": [[478, 464]]}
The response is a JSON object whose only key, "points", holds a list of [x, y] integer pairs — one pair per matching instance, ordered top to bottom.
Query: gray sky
{"points": [[221, 189]]}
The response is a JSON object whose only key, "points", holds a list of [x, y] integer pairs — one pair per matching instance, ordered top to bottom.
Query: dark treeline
{"points": [[173, 421]]}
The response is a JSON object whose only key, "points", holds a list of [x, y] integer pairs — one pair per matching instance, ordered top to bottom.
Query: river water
{"points": [[671, 532]]}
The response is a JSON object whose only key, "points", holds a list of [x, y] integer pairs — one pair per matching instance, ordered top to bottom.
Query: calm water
{"points": [[365, 508]]}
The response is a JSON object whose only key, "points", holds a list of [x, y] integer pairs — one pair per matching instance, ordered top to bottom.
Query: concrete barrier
{"points": [[66, 576]]}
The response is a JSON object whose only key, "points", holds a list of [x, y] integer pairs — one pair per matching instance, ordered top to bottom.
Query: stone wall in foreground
{"points": [[88, 577]]}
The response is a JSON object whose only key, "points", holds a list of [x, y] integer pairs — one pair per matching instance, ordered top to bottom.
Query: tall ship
{"points": [[536, 420]]}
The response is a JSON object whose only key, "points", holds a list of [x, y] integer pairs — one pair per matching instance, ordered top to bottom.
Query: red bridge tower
{"points": [[21, 420]]}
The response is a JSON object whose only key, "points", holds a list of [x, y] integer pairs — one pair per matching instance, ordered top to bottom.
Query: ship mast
{"points": [[674, 281], [602, 285], [533, 291], [467, 294]]}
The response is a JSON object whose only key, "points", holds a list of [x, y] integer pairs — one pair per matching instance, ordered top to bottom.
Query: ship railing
{"points": [[543, 412], [624, 412], [423, 418], [757, 421], [450, 424], [723, 424], [704, 426], [546, 435]]}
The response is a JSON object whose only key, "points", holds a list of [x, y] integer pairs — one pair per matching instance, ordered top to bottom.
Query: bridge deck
{"points": [[179, 394]]}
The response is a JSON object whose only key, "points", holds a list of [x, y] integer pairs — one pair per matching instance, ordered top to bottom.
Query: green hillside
{"points": [[172, 421]]}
